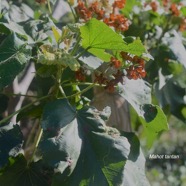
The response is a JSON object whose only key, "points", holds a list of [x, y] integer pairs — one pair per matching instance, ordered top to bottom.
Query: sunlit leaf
{"points": [[56, 34], [98, 37], [155, 121]]}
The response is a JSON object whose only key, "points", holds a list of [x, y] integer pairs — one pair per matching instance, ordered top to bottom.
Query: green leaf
{"points": [[128, 7], [183, 10], [56, 33], [98, 37], [100, 53], [14, 54], [52, 56], [46, 71], [137, 93], [155, 122], [11, 140], [83, 150], [19, 173]]}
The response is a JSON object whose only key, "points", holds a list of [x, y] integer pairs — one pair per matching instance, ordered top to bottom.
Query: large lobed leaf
{"points": [[98, 37], [14, 54], [80, 149], [84, 151]]}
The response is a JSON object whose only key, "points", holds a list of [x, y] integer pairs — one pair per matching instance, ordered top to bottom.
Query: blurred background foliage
{"points": [[163, 31]]}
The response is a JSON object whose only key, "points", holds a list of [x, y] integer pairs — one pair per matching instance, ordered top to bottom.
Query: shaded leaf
{"points": [[15, 13], [14, 27], [39, 30], [177, 47], [14, 54], [46, 71], [137, 93], [173, 94], [4, 102], [33, 112], [57, 114], [11, 141], [134, 145], [83, 148], [18, 173], [134, 173]]}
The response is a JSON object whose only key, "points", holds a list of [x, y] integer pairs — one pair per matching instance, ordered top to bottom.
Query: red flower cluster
{"points": [[41, 1], [165, 2], [119, 4], [154, 6], [174, 9], [96, 10], [83, 11], [87, 13], [119, 22], [182, 26], [115, 62], [136, 70], [79, 75], [118, 78], [100, 79], [110, 84]]}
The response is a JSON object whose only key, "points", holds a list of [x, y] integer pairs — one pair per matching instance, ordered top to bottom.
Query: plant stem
{"points": [[49, 7], [73, 13], [76, 45], [80, 54], [58, 77], [83, 83], [62, 91], [81, 92], [11, 94], [23, 108], [32, 133], [36, 143]]}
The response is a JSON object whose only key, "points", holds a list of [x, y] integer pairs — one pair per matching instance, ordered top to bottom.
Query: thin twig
{"points": [[23, 108]]}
